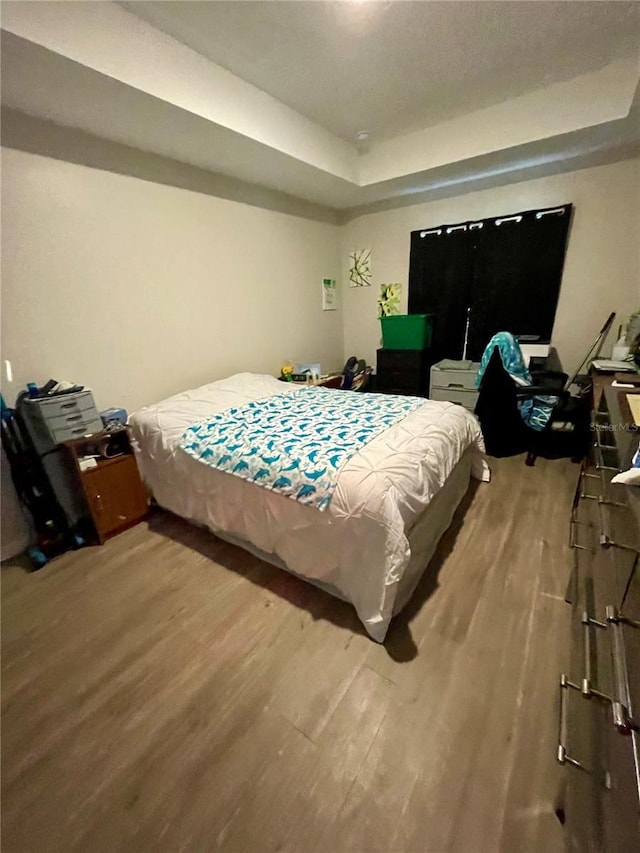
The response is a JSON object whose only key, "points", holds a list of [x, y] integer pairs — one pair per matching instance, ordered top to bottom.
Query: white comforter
{"points": [[359, 547]]}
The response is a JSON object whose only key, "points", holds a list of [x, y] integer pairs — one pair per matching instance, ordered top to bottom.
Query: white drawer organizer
{"points": [[454, 381], [52, 420]]}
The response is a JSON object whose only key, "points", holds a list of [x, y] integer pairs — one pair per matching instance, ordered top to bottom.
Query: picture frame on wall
{"points": [[360, 268], [329, 294]]}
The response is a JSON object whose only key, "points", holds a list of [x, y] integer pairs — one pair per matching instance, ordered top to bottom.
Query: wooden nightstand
{"points": [[115, 496]]}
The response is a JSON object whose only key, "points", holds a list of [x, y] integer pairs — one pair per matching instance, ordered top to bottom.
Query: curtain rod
{"points": [[557, 211]]}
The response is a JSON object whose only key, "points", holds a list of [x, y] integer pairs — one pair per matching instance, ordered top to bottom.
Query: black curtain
{"points": [[507, 270], [440, 272]]}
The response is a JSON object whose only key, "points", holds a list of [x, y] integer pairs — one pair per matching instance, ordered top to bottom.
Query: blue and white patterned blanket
{"points": [[536, 411], [295, 443]]}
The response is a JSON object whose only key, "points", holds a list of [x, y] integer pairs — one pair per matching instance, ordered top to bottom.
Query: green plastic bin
{"points": [[406, 331]]}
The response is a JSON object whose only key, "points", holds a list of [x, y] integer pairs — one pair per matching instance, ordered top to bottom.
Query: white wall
{"points": [[602, 267], [139, 290]]}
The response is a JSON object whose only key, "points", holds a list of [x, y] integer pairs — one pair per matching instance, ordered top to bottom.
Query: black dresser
{"points": [[404, 371], [599, 736]]}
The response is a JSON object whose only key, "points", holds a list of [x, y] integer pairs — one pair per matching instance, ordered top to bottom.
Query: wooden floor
{"points": [[170, 692]]}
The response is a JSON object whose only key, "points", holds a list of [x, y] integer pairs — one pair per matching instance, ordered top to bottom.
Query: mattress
{"points": [[372, 542]]}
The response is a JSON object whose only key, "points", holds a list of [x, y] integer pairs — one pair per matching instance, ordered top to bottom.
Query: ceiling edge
{"points": [[109, 40], [48, 139], [627, 151]]}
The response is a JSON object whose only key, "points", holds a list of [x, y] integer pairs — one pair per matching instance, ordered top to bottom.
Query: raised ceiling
{"points": [[394, 67], [272, 93]]}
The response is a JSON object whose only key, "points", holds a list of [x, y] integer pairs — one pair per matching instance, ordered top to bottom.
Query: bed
{"points": [[393, 498]]}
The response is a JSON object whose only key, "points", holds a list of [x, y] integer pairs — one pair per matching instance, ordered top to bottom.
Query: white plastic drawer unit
{"points": [[454, 381], [52, 420]]}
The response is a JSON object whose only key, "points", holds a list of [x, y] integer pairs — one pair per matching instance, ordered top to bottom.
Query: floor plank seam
{"points": [[551, 595], [379, 674], [297, 728]]}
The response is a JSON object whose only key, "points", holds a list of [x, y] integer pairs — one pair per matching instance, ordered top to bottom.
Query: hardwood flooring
{"points": [[170, 692]]}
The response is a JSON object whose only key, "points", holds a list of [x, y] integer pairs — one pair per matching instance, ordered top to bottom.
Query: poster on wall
{"points": [[360, 268], [329, 292], [389, 299]]}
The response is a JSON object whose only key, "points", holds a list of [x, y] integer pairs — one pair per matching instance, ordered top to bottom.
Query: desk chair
{"points": [[567, 433]]}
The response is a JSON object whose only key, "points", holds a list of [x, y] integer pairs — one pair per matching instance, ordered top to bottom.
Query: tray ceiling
{"points": [[271, 93]]}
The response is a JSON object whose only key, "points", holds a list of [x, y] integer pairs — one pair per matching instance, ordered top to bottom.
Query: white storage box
{"points": [[455, 381]]}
